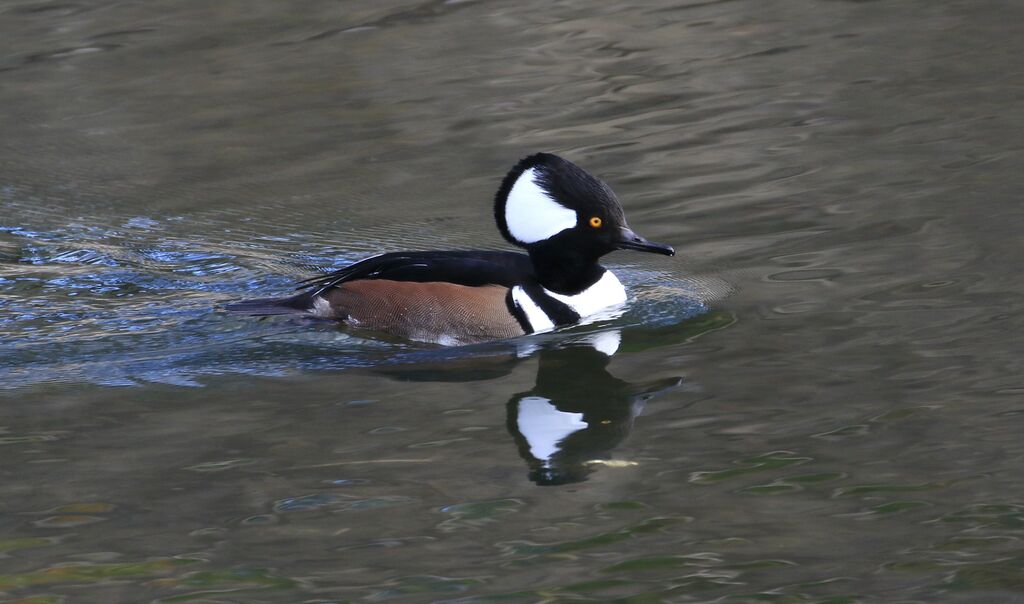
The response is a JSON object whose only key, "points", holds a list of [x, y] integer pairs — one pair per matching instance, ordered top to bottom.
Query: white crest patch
{"points": [[530, 212], [606, 293], [539, 320], [544, 426]]}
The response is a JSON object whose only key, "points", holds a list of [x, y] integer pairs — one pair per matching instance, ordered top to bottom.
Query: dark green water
{"points": [[818, 400]]}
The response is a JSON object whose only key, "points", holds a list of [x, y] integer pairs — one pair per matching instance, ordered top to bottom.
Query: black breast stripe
{"points": [[559, 312], [518, 313]]}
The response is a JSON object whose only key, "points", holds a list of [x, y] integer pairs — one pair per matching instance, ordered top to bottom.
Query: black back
{"points": [[462, 267]]}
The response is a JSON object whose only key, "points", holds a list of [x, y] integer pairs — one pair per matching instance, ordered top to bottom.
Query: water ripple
{"points": [[118, 307]]}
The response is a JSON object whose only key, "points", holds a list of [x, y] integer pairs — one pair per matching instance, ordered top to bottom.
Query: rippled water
{"points": [[818, 400]]}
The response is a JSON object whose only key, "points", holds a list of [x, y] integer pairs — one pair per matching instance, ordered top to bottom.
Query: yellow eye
{"points": [[595, 222]]}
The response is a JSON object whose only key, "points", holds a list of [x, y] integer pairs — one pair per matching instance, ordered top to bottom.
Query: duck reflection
{"points": [[577, 413]]}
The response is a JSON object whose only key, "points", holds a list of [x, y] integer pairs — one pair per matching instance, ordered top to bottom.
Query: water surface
{"points": [[818, 400]]}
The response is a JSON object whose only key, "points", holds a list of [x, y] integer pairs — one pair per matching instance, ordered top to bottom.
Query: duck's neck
{"points": [[565, 273]]}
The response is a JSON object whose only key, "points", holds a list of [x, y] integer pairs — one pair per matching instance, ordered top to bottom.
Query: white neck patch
{"points": [[530, 212], [606, 293], [602, 300], [544, 426]]}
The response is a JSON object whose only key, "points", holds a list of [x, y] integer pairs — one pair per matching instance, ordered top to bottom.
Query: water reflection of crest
{"points": [[577, 412]]}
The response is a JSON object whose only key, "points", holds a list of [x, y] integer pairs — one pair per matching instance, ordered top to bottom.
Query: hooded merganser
{"points": [[562, 216]]}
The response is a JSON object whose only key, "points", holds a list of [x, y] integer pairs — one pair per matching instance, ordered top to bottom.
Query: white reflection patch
{"points": [[544, 426]]}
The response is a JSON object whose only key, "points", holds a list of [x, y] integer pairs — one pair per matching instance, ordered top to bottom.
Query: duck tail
{"points": [[271, 306]]}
